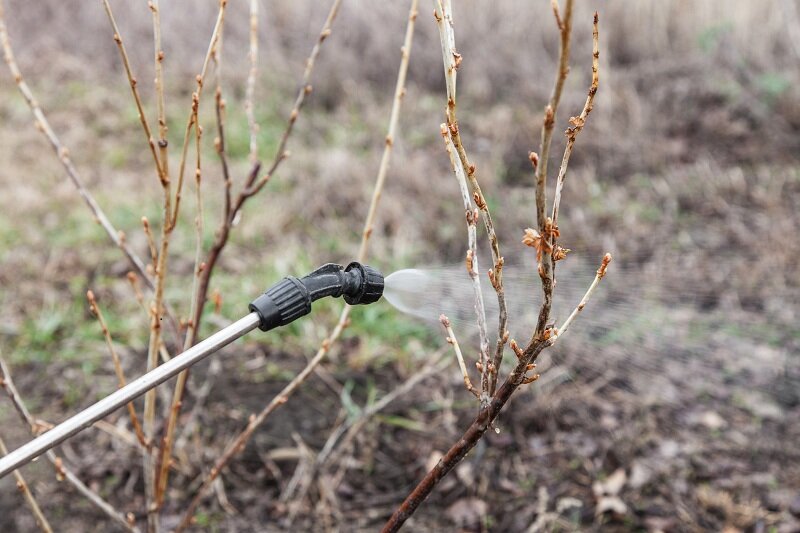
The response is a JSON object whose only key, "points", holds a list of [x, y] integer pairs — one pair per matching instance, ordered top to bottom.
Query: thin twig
{"points": [[443, 13], [565, 29], [215, 36], [158, 60], [305, 90], [135, 91], [399, 93], [249, 98], [577, 123], [62, 153], [540, 161], [253, 184], [151, 242], [472, 264], [601, 272], [451, 339], [121, 381], [35, 426], [241, 440], [162, 465], [41, 520]]}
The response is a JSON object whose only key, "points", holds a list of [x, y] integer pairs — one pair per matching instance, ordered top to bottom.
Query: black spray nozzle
{"points": [[291, 298]]}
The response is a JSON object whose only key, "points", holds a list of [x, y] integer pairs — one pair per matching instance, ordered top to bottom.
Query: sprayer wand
{"points": [[281, 304]]}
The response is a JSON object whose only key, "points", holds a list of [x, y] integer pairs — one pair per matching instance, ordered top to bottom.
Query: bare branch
{"points": [[443, 13], [565, 29], [215, 36], [158, 60], [305, 89], [135, 91], [399, 93], [249, 99], [577, 123], [62, 153], [540, 161], [251, 186], [544, 241], [472, 263], [601, 272], [451, 339], [121, 381], [7, 383], [241, 440], [41, 521]]}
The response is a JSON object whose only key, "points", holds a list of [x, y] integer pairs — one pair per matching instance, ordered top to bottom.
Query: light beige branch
{"points": [[443, 13], [305, 89], [399, 94], [249, 99], [62, 153], [472, 264], [601, 272], [451, 339], [121, 381], [62, 471], [38, 515]]}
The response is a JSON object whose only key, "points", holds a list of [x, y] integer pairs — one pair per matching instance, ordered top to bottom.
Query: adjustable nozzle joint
{"points": [[291, 298]]}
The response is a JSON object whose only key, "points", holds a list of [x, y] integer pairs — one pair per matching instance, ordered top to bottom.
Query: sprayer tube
{"points": [[283, 303], [134, 389]]}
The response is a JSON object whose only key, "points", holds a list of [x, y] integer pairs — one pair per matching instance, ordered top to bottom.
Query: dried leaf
{"points": [[467, 511]]}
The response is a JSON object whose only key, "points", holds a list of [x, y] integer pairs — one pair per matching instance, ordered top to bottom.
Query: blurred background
{"points": [[673, 404]]}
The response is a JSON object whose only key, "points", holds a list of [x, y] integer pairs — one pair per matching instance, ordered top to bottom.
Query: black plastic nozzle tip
{"points": [[369, 289]]}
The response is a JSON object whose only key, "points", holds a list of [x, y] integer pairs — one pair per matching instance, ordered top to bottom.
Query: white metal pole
{"points": [[26, 453]]}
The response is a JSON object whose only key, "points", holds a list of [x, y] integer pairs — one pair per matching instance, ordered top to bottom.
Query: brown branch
{"points": [[565, 29], [216, 34], [158, 60], [577, 123], [62, 153], [540, 161], [160, 169], [254, 184], [168, 225], [543, 337], [121, 381], [484, 420], [168, 440], [241, 440], [466, 442], [62, 471], [41, 520]]}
